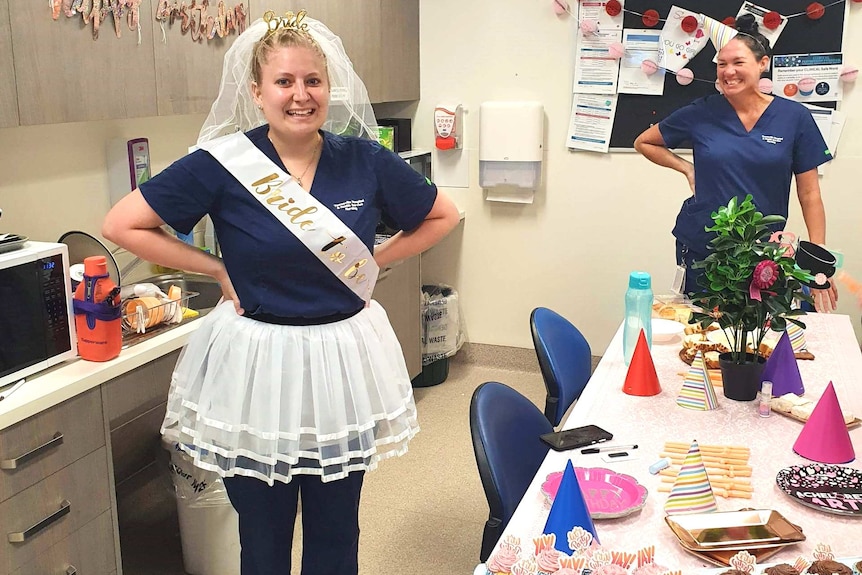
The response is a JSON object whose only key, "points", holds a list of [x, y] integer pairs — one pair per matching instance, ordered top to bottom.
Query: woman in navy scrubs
{"points": [[743, 142]]}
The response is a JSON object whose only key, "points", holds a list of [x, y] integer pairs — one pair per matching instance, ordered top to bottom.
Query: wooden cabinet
{"points": [[399, 50], [52, 71], [187, 72], [63, 75], [8, 96], [399, 292], [55, 490]]}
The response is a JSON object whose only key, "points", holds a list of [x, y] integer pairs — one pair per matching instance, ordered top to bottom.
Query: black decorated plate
{"points": [[11, 242], [830, 488]]}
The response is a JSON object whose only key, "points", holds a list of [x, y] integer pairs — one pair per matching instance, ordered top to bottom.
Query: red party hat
{"points": [[641, 378], [825, 437]]}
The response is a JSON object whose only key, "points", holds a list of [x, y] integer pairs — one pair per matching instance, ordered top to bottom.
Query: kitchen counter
{"points": [[71, 378]]}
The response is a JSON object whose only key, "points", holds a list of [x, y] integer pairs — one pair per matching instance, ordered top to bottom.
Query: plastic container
{"points": [[639, 298], [97, 312], [209, 525]]}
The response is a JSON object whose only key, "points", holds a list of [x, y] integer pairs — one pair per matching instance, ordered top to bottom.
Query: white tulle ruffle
{"points": [[272, 401]]}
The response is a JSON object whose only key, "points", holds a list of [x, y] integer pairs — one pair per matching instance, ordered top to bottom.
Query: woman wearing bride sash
{"points": [[295, 386]]}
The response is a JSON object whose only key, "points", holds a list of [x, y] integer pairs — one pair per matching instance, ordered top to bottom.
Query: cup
{"points": [[818, 261], [152, 310]]}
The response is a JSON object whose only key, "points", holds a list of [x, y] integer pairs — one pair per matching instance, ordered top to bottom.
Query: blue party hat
{"points": [[782, 370], [568, 511]]}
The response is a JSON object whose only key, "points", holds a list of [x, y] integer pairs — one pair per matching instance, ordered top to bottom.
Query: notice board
{"points": [[636, 113]]}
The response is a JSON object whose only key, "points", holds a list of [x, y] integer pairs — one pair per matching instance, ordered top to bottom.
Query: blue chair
{"points": [[564, 358], [505, 427]]}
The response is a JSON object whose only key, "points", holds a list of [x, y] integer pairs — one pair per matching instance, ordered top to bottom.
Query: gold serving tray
{"points": [[734, 530], [722, 558]]}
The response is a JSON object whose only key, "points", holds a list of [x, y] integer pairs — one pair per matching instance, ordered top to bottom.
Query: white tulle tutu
{"points": [[272, 401]]}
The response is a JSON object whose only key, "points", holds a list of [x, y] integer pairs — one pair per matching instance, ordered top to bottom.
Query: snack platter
{"points": [[850, 425]]}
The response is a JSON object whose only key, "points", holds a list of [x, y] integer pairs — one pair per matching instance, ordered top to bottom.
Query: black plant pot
{"points": [[741, 380]]}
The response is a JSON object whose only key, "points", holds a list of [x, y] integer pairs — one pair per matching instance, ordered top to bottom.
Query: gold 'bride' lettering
{"points": [[273, 191], [352, 272]]}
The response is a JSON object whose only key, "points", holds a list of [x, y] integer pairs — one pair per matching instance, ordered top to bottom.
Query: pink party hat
{"points": [[719, 33], [797, 337], [781, 369], [641, 378], [697, 391], [825, 437], [691, 492], [568, 510]]}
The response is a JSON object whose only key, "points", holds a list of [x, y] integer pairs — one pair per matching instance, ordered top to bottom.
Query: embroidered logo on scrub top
{"points": [[772, 139], [350, 205]]}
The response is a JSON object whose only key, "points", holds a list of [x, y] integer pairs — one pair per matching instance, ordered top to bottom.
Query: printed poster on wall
{"points": [[595, 10], [640, 45], [678, 47], [596, 71], [808, 77], [591, 122]]}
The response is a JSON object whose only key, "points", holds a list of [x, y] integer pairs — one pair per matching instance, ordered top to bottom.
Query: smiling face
{"points": [[739, 69], [292, 88]]}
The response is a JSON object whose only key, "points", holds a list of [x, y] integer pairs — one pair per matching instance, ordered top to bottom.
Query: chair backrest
{"points": [[564, 358], [505, 427]]}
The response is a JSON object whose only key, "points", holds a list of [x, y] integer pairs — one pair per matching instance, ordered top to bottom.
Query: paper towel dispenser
{"points": [[511, 136]]}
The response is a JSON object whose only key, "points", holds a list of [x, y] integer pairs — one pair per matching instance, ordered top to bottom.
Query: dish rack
{"points": [[140, 314]]}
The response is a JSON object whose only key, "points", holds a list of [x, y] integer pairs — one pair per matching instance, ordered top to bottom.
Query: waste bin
{"points": [[441, 333], [209, 525]]}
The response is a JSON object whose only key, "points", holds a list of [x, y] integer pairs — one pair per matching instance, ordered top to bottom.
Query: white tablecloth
{"points": [[651, 421]]}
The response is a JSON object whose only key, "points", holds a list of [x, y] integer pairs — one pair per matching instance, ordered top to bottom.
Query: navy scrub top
{"points": [[728, 161], [273, 272]]}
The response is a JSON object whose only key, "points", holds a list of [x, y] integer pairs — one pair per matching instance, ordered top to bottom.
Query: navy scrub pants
{"points": [[330, 524]]}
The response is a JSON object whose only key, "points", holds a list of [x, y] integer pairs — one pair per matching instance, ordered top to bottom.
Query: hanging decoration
{"points": [[97, 11], [196, 20], [698, 27], [684, 77]]}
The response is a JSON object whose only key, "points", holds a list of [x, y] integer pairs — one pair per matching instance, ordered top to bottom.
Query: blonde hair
{"points": [[283, 38]]}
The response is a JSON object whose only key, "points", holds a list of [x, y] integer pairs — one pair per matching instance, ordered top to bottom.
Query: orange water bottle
{"points": [[97, 313]]}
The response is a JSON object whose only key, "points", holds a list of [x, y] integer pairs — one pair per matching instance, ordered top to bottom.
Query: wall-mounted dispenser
{"points": [[448, 122], [511, 136], [128, 166]]}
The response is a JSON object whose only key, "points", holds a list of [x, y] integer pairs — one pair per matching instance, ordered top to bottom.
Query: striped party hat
{"points": [[719, 33], [797, 337], [697, 391], [691, 493]]}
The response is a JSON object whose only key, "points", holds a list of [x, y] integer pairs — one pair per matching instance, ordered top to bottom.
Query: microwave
{"points": [[419, 160], [37, 324]]}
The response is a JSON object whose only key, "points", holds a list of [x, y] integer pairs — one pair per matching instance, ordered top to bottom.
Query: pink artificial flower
{"points": [[765, 274]]}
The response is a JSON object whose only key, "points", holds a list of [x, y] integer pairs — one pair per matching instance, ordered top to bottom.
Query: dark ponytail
{"points": [[749, 33]]}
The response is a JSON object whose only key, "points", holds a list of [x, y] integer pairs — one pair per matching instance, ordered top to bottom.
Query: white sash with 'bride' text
{"points": [[313, 224]]}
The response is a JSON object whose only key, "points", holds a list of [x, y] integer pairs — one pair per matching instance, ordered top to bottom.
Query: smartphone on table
{"points": [[577, 437]]}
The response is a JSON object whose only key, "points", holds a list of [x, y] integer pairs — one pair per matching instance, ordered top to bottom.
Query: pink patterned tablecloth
{"points": [[651, 421]]}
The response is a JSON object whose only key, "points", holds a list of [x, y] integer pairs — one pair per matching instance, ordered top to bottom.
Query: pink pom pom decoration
{"points": [[560, 7], [589, 26], [616, 50], [649, 67], [849, 74], [684, 77], [765, 85]]}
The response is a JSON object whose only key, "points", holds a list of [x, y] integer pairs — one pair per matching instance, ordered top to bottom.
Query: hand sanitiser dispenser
{"points": [[511, 136]]}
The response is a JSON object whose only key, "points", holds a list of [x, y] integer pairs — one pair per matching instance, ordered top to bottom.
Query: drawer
{"points": [[138, 391], [49, 441], [135, 444], [82, 489], [87, 551]]}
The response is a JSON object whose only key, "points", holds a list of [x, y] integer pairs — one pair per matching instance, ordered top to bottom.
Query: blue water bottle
{"points": [[639, 299]]}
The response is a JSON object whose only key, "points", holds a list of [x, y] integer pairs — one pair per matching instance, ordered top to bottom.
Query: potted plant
{"points": [[748, 286]]}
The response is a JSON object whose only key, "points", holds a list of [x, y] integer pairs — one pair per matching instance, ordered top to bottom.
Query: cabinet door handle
{"points": [[16, 462], [22, 536], [70, 570]]}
